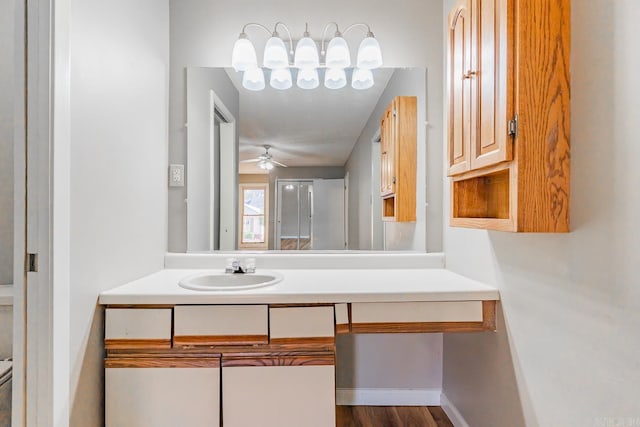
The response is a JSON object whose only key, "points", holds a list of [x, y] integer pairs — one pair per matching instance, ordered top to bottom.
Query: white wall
{"points": [[6, 140], [118, 153], [426, 232], [6, 331], [567, 346]]}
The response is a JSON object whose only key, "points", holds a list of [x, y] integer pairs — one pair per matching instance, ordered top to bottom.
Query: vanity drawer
{"points": [[436, 316], [299, 324], [221, 325], [137, 328]]}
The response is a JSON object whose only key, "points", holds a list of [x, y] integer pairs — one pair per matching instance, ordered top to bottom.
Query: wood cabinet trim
{"points": [[417, 327], [343, 329], [212, 340], [306, 341], [115, 344], [318, 359], [161, 362]]}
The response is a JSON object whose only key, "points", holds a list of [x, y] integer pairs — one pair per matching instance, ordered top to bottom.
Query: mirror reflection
{"points": [[297, 169]]}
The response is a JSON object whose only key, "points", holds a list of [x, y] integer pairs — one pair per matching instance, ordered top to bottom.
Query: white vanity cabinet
{"points": [[238, 365], [169, 392], [279, 393]]}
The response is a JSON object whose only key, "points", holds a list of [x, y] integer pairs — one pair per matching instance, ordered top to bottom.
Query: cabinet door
{"points": [[488, 79], [461, 129], [386, 152], [162, 393], [278, 396]]}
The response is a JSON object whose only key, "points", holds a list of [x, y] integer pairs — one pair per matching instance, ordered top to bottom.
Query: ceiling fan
{"points": [[265, 161]]}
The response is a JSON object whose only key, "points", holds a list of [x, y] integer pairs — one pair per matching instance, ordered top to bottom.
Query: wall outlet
{"points": [[176, 175]]}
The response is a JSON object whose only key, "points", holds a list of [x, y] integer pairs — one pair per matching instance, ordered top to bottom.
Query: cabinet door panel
{"points": [[460, 123], [492, 144], [278, 396], [162, 397]]}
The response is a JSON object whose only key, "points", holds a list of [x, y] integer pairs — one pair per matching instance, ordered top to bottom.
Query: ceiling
{"points": [[316, 127]]}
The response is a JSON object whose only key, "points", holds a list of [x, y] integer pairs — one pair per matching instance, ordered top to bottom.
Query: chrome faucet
{"points": [[234, 266]]}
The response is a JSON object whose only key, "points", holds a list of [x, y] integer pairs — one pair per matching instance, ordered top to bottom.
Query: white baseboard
{"points": [[388, 397], [452, 412]]}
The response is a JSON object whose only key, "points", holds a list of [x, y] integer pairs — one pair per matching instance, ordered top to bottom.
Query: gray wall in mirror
{"points": [[6, 142]]}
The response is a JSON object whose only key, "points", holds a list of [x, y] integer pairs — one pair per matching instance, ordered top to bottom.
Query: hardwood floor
{"points": [[391, 416]]}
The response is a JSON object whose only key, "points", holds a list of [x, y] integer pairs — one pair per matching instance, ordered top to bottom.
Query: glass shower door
{"points": [[295, 215]]}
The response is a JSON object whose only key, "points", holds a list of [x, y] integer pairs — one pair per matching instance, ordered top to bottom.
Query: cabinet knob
{"points": [[469, 74]]}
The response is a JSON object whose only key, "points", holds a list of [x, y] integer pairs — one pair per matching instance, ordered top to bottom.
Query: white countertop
{"points": [[310, 286]]}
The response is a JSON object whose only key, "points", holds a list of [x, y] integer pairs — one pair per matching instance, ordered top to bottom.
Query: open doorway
{"points": [[9, 41]]}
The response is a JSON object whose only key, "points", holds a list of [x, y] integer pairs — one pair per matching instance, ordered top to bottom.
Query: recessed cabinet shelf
{"points": [[508, 130], [398, 145]]}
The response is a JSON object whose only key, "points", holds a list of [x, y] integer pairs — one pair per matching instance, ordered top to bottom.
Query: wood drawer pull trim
{"points": [[197, 340], [121, 344], [321, 359], [165, 362]]}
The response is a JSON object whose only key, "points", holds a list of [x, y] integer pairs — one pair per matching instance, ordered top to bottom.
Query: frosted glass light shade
{"points": [[275, 54], [369, 54], [306, 55], [338, 55], [243, 56], [308, 78], [335, 78], [253, 79], [281, 79], [362, 79], [265, 164]]}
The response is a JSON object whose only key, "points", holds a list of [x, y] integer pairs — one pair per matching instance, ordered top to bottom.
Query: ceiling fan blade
{"points": [[250, 160], [278, 163]]}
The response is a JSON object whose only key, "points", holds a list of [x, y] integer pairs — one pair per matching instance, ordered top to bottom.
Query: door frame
{"points": [[42, 214]]}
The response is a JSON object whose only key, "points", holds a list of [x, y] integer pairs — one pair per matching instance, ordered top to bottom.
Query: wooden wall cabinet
{"points": [[508, 130], [398, 153]]}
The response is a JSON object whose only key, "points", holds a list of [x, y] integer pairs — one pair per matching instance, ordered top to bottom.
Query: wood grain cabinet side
{"points": [[509, 116]]}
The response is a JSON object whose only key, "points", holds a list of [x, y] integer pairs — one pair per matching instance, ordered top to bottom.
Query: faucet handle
{"points": [[231, 265], [250, 265]]}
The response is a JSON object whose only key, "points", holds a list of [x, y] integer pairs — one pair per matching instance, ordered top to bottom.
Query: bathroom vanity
{"points": [[264, 356]]}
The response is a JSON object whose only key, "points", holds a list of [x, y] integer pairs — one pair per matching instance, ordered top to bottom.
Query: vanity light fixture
{"points": [[306, 59]]}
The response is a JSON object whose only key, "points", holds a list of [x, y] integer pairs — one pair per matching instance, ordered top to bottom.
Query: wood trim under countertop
{"points": [[488, 323], [343, 329], [204, 340], [306, 341], [139, 343], [291, 359], [165, 362]]}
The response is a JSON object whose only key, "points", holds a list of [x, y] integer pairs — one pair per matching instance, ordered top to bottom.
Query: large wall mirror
{"points": [[295, 169]]}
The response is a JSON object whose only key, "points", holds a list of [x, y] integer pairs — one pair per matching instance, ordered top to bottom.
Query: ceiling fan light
{"points": [[369, 53], [275, 54], [306, 55], [338, 55], [243, 56], [308, 78], [335, 78], [253, 79], [281, 79], [362, 79], [265, 164]]}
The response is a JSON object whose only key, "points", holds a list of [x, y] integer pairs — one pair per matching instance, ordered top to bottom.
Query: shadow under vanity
{"points": [[264, 356]]}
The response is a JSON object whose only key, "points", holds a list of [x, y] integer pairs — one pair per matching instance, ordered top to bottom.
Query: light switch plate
{"points": [[176, 175]]}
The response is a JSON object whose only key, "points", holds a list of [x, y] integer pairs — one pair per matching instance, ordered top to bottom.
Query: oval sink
{"points": [[220, 281]]}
